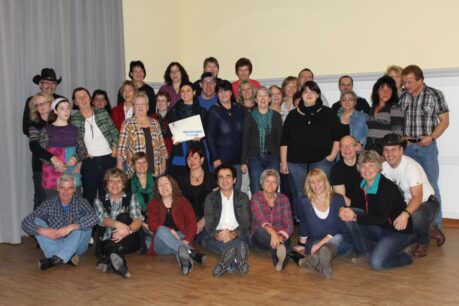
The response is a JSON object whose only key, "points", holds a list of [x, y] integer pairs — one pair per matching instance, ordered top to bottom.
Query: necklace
{"points": [[90, 121], [197, 178]]}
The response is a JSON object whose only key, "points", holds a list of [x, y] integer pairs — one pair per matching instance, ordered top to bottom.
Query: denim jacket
{"points": [[357, 125]]}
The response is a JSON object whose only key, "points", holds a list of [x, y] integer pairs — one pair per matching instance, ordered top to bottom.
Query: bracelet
{"points": [[406, 210]]}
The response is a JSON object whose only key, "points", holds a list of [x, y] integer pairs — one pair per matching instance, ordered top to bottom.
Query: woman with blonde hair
{"points": [[395, 72], [40, 107], [322, 233]]}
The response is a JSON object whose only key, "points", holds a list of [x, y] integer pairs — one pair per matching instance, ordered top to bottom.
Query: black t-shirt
{"points": [[342, 174]]}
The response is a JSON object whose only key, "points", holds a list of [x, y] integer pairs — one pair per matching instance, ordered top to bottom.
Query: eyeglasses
{"points": [[41, 104]]}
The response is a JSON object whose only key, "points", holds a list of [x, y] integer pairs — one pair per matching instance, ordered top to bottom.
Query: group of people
{"points": [[354, 177]]}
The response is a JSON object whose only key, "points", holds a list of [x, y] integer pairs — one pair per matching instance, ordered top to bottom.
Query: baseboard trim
{"points": [[452, 223]]}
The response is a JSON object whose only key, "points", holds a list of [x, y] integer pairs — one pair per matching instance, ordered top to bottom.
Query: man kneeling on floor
{"points": [[419, 195], [120, 218], [228, 220], [62, 225]]}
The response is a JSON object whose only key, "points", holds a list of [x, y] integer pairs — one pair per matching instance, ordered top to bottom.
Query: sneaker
{"points": [[281, 253], [360, 259], [184, 260], [119, 266]]}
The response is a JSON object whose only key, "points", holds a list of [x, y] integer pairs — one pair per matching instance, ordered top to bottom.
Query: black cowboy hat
{"points": [[47, 74], [394, 140]]}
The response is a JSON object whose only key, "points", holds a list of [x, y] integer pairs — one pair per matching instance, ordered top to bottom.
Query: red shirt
{"points": [[182, 214]]}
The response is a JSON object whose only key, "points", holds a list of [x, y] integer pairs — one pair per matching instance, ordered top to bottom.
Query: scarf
{"points": [[310, 111], [264, 124], [139, 191]]}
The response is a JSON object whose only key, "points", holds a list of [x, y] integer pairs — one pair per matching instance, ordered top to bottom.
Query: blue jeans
{"points": [[427, 157], [257, 165], [298, 173], [422, 218], [75, 243], [166, 243], [218, 246], [385, 248]]}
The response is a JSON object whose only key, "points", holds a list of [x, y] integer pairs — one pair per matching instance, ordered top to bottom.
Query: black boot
{"points": [[197, 257], [296, 257], [226, 260], [46, 263]]}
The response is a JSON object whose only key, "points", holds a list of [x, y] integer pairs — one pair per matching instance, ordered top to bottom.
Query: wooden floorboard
{"points": [[433, 280]]}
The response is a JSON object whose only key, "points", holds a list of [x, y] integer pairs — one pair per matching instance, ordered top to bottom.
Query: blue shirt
{"points": [[207, 103]]}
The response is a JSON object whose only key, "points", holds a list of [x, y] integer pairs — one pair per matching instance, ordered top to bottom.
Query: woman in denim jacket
{"points": [[354, 122]]}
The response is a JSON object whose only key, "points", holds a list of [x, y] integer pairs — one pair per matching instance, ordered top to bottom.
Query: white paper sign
{"points": [[187, 129]]}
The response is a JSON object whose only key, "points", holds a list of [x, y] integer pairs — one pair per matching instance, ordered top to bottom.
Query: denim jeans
{"points": [[427, 157], [257, 165], [298, 173], [92, 175], [422, 218], [261, 240], [75, 243], [166, 243], [218, 246], [385, 248]]}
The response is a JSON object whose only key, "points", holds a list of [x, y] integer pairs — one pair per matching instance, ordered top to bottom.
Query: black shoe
{"points": [[242, 254], [197, 257], [296, 257], [184, 260], [226, 261], [45, 263], [118, 265]]}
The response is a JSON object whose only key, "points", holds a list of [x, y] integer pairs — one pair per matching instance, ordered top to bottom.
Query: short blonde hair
{"points": [[396, 68], [320, 174]]}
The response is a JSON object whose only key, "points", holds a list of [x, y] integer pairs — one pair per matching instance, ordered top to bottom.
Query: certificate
{"points": [[187, 129]]}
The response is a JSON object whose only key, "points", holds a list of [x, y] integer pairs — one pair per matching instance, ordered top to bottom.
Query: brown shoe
{"points": [[437, 234], [421, 250]]}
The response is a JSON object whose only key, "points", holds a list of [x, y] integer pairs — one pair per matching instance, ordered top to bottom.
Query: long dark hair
{"points": [[167, 73], [384, 80]]}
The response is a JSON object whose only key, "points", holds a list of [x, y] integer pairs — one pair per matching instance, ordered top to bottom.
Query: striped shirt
{"points": [[421, 113]]}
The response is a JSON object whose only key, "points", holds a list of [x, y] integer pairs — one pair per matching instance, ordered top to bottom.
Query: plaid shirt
{"points": [[421, 114], [103, 122], [132, 140], [116, 209], [52, 212], [279, 217]]}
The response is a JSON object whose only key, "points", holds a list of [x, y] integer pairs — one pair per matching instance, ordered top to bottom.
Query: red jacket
{"points": [[118, 116], [182, 214]]}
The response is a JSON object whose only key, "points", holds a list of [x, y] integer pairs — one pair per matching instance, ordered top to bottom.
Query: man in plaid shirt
{"points": [[426, 119], [62, 225]]}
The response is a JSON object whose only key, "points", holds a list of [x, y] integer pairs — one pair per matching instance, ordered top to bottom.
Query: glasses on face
{"points": [[307, 91], [41, 104]]}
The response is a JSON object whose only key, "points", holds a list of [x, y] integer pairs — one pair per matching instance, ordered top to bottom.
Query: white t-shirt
{"points": [[95, 141], [408, 174], [228, 218]]}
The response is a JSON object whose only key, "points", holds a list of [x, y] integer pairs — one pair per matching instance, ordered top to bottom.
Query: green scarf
{"points": [[139, 191]]}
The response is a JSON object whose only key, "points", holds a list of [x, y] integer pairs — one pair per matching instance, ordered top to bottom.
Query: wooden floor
{"points": [[433, 280]]}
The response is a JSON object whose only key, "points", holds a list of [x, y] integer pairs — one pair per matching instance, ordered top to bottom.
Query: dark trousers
{"points": [[92, 175], [39, 195], [423, 218], [261, 240], [129, 244]]}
